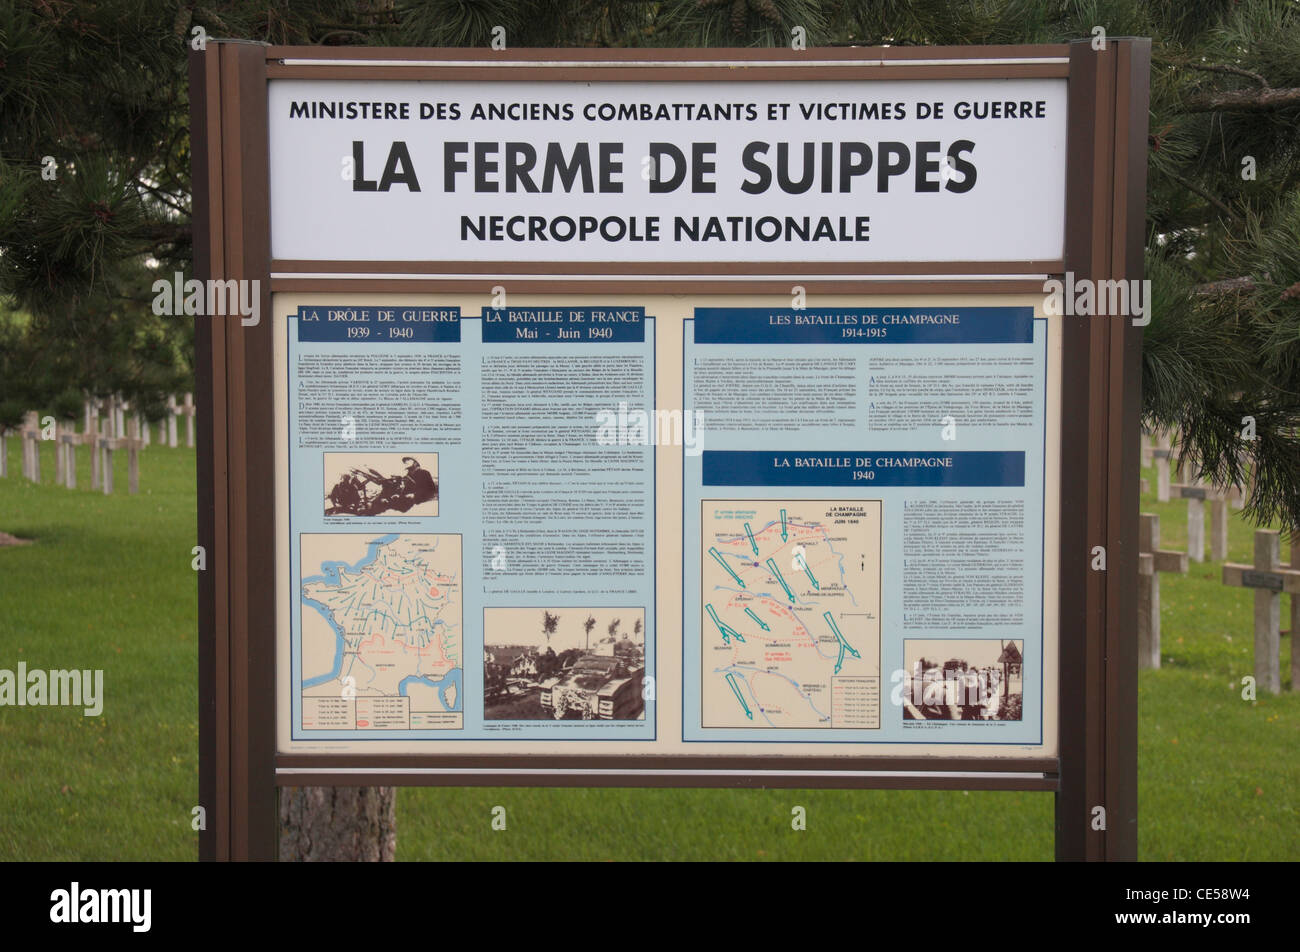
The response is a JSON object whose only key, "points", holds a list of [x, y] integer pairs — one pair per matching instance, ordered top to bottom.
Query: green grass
{"points": [[108, 585]]}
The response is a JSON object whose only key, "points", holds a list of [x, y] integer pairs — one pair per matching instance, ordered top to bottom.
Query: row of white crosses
{"points": [[167, 425], [116, 431], [112, 439], [1160, 454], [1197, 493], [1268, 577]]}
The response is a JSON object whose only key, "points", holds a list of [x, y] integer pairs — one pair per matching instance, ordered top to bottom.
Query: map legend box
{"points": [[855, 702]]}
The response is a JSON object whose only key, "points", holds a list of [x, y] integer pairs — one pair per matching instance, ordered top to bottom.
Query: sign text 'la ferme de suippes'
{"points": [[799, 171]]}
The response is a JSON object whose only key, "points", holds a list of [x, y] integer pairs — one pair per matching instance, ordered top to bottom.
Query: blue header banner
{"points": [[378, 325], [548, 325], [864, 325], [862, 468]]}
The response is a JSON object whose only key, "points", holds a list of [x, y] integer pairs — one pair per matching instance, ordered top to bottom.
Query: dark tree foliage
{"points": [[100, 88]]}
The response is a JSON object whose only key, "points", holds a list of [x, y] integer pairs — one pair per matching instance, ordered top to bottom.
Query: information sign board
{"points": [[669, 418]]}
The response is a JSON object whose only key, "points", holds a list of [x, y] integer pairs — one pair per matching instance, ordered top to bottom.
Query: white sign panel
{"points": [[866, 171]]}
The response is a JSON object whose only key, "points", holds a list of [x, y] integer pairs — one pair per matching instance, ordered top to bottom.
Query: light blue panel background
{"points": [[1030, 440], [460, 511]]}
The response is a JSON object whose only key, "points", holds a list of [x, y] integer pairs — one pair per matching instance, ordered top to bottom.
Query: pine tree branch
{"points": [[184, 14], [216, 21], [356, 27], [321, 40], [1215, 68], [1230, 70], [1244, 100], [1193, 187], [162, 196], [164, 233], [1225, 286]]}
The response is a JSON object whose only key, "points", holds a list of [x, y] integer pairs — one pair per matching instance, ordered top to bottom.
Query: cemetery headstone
{"points": [[188, 410], [172, 411], [31, 434], [90, 436], [68, 441], [133, 446], [106, 447], [1160, 456], [60, 458], [1197, 494], [1152, 560], [1269, 580], [1295, 621]]}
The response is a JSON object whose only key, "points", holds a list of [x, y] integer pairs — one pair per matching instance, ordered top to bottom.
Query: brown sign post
{"points": [[1092, 765]]}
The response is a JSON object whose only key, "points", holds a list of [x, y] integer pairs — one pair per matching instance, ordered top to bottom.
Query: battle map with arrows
{"points": [[790, 622]]}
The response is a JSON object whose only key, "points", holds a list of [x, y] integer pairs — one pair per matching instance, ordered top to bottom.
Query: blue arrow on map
{"points": [[750, 532], [784, 534], [714, 552], [807, 570], [780, 578], [761, 624], [727, 631], [844, 645], [735, 688]]}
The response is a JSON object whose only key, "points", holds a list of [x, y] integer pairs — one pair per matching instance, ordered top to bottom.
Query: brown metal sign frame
{"points": [[240, 768]]}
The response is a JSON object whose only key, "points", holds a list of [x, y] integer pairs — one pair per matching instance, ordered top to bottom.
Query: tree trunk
{"points": [[338, 824]]}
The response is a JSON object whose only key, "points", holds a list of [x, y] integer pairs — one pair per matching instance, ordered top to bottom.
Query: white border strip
{"points": [[678, 64], [736, 278], [630, 772]]}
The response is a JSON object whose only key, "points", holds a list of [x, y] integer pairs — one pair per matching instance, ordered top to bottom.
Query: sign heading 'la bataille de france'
{"points": [[568, 172]]}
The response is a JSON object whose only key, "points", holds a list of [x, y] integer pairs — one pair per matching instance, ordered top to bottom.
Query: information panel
{"points": [[868, 470], [665, 523], [650, 524], [474, 556]]}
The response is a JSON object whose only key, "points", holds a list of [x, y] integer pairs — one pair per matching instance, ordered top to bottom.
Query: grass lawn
{"points": [[108, 585]]}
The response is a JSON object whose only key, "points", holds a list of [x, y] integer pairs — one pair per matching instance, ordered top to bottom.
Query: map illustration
{"points": [[790, 615], [382, 635]]}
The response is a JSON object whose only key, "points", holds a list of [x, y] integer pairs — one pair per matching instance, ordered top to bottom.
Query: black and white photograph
{"points": [[381, 484], [563, 664], [977, 680]]}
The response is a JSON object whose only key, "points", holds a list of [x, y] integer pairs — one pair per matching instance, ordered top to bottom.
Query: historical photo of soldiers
{"points": [[381, 484], [564, 664], [977, 680]]}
